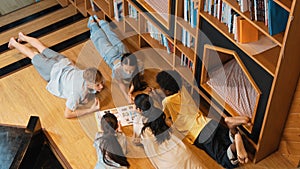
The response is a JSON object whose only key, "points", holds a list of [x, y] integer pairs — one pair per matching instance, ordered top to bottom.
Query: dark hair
{"points": [[130, 60], [92, 75], [169, 80], [138, 83], [143, 102], [155, 118], [156, 121], [109, 145]]}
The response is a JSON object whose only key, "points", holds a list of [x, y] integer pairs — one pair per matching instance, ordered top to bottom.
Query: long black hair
{"points": [[155, 118], [109, 145]]}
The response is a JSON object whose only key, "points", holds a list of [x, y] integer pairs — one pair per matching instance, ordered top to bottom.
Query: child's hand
{"points": [[130, 98], [96, 105], [119, 129], [137, 141]]}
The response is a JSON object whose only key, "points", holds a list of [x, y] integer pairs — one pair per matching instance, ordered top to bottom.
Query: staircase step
{"points": [[26, 11], [38, 23], [50, 40], [59, 40]]}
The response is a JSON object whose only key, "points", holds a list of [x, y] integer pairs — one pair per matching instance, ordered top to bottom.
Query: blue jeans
{"points": [[106, 42], [43, 62]]}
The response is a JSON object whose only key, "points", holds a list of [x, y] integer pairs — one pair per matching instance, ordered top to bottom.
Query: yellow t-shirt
{"points": [[185, 115]]}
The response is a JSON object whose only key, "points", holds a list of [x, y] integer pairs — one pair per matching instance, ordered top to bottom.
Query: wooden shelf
{"points": [[285, 4], [104, 6], [81, 8], [99, 14], [157, 16], [133, 23], [184, 24], [278, 38], [156, 46], [185, 50], [268, 59], [186, 73]]}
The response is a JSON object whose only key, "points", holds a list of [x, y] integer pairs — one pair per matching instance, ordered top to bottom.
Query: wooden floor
{"points": [[23, 94]]}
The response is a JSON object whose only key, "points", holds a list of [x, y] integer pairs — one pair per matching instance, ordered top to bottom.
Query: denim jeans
{"points": [[106, 42]]}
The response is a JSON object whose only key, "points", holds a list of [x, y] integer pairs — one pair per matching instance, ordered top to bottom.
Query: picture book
{"points": [[124, 114]]}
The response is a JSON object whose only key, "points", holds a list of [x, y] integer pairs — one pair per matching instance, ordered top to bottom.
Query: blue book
{"points": [[194, 13], [277, 18]]}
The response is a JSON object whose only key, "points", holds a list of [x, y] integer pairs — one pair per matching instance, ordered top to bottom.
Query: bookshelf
{"points": [[271, 70]]}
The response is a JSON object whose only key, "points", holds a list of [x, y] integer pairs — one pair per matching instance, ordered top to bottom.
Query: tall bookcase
{"points": [[275, 71]]}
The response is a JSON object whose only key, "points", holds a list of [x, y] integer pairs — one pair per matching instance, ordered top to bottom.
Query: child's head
{"points": [[129, 63], [93, 78], [169, 81], [138, 83], [143, 102], [156, 121], [109, 123], [109, 145]]}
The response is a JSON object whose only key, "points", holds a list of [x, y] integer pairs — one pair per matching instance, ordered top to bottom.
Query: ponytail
{"points": [[156, 123], [109, 144]]}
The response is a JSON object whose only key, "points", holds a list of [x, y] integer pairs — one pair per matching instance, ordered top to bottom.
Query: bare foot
{"points": [[96, 18], [21, 37], [11, 43], [235, 121], [240, 149]]}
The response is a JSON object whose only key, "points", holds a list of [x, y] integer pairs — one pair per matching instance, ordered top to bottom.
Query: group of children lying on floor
{"points": [[162, 129]]}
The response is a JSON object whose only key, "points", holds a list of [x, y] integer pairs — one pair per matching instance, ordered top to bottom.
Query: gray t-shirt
{"points": [[118, 72], [66, 81]]}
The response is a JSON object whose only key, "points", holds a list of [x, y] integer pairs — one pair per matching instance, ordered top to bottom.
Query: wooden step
{"points": [[26, 11], [38, 23], [50, 39]]}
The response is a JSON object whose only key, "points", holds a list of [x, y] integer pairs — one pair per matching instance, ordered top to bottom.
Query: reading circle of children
{"points": [[109, 49], [124, 70]]}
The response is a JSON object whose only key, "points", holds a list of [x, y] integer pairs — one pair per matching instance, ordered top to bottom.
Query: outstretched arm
{"points": [[123, 88], [80, 112]]}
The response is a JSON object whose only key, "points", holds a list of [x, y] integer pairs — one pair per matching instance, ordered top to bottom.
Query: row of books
{"points": [[132, 12], [190, 12], [276, 16], [161, 38], [187, 39], [186, 62]]}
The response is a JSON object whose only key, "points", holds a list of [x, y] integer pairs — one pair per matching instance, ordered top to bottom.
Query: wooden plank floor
{"points": [[26, 11], [39, 23], [50, 39]]}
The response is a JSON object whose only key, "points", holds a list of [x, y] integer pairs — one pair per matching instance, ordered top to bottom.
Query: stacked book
{"points": [[118, 10], [266, 11], [190, 13], [161, 38]]}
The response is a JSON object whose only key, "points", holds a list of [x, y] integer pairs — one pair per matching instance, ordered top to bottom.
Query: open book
{"points": [[124, 114]]}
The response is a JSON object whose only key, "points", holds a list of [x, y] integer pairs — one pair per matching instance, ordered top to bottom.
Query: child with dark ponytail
{"points": [[110, 144], [161, 145]]}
